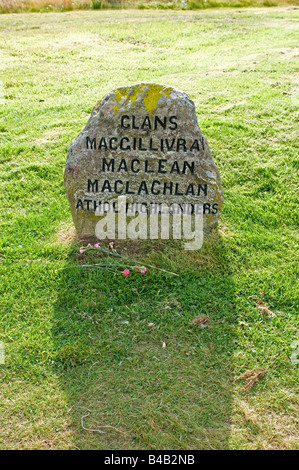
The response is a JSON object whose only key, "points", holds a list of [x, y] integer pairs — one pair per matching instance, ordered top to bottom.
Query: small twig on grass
{"points": [[88, 429], [99, 430]]}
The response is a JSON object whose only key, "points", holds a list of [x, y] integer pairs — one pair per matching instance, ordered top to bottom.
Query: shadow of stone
{"points": [[137, 372]]}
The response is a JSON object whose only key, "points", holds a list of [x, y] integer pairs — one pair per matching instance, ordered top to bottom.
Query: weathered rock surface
{"points": [[142, 142]]}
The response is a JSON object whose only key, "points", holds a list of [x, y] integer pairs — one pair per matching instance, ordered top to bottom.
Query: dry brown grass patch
{"points": [[66, 234], [252, 376]]}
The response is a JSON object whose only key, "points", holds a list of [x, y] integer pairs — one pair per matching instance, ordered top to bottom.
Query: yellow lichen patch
{"points": [[136, 91], [130, 93], [150, 94], [117, 97]]}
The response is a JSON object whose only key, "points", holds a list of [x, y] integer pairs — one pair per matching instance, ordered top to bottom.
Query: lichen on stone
{"points": [[149, 94]]}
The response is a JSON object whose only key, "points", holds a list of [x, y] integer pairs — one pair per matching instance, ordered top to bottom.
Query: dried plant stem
{"points": [[114, 253], [98, 430]]}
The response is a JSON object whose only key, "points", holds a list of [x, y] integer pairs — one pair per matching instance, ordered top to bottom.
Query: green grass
{"points": [[17, 6], [78, 341]]}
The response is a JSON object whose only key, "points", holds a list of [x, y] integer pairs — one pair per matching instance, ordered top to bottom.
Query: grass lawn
{"points": [[83, 346]]}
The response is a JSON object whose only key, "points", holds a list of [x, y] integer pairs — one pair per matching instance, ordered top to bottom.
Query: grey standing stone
{"points": [[142, 142]]}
